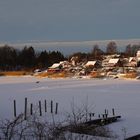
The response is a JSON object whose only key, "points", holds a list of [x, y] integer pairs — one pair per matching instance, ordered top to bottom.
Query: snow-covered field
{"points": [[123, 95]]}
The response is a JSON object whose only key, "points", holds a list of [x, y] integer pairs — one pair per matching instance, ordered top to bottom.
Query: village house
{"points": [[138, 56], [107, 58], [74, 60], [114, 62], [132, 62], [105, 63], [65, 64], [93, 64], [111, 65], [114, 65], [56, 67]]}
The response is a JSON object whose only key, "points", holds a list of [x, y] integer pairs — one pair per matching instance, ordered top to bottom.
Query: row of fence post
{"points": [[52, 111], [105, 115]]}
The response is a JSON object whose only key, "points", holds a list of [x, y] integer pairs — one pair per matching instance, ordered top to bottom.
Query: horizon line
{"points": [[65, 41]]}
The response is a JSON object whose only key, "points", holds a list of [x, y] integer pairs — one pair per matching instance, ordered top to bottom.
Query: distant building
{"points": [[138, 55], [107, 58], [74, 60], [114, 62], [132, 62], [90, 63], [65, 64], [94, 64], [55, 67]]}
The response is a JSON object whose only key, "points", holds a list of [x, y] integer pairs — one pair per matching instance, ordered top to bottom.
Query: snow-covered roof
{"points": [[138, 53], [132, 58], [138, 59], [113, 61], [63, 62], [89, 63], [55, 65]]}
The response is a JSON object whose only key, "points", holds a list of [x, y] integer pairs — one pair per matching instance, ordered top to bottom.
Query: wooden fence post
{"points": [[45, 106], [51, 106], [31, 109], [56, 109], [25, 111], [40, 111], [113, 111], [15, 114]]}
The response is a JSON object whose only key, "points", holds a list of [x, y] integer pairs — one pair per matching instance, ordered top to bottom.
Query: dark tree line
{"points": [[27, 58]]}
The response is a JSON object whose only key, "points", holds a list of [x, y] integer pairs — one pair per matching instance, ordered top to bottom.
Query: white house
{"points": [[138, 56], [114, 62], [132, 62], [90, 63], [65, 64], [93, 64], [55, 67]]}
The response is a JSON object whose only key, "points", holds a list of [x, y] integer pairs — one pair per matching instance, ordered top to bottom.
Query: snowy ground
{"points": [[123, 95]]}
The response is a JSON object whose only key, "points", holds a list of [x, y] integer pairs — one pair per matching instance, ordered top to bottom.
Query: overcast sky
{"points": [[25, 20]]}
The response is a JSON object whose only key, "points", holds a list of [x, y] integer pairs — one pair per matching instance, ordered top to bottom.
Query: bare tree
{"points": [[111, 48], [128, 50], [97, 52], [8, 128]]}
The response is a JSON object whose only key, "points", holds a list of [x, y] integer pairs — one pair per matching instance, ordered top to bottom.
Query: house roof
{"points": [[138, 53], [132, 58], [138, 59], [113, 61], [63, 62], [90, 63], [55, 65]]}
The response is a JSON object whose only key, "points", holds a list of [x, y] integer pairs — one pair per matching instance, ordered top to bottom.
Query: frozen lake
{"points": [[123, 95]]}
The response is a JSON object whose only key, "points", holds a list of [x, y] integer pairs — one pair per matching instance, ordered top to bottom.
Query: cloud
{"points": [[69, 19]]}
